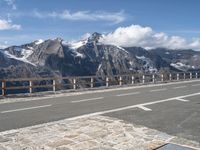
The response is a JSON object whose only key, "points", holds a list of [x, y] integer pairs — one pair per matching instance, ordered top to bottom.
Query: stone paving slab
{"points": [[87, 133]]}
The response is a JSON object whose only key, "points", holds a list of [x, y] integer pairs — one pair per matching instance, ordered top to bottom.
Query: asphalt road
{"points": [[173, 108]]}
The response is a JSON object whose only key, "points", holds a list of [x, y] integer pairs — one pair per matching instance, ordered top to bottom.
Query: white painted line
{"points": [[196, 85], [179, 87], [158, 90], [127, 94], [189, 95], [170, 99], [181, 99], [85, 100], [130, 107], [144, 108], [22, 109]]}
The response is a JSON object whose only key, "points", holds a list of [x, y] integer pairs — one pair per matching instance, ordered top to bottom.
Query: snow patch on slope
{"points": [[40, 41], [74, 45], [121, 49], [167, 53], [25, 54], [77, 54], [142, 58], [148, 64], [181, 66], [99, 67]]}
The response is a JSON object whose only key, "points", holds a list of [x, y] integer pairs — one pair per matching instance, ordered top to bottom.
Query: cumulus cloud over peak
{"points": [[136, 35]]}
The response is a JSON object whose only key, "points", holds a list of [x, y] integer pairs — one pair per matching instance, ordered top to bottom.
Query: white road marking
{"points": [[196, 85], [179, 87], [158, 90], [127, 94], [189, 95], [181, 99], [85, 100], [135, 106], [130, 107], [144, 108], [22, 109]]}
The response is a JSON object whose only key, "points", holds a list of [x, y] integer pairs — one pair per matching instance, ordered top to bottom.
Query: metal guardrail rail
{"points": [[63, 83]]}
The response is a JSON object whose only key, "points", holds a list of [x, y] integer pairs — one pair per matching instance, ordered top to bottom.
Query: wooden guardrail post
{"points": [[190, 75], [177, 76], [162, 77], [153, 78], [132, 79], [143, 79], [120, 80], [107, 81], [92, 82], [74, 83], [54, 85], [30, 86], [3, 88]]}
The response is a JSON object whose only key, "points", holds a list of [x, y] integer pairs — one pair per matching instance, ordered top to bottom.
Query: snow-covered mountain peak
{"points": [[38, 42]]}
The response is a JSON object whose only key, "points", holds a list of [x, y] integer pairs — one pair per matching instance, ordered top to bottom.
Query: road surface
{"points": [[172, 107]]}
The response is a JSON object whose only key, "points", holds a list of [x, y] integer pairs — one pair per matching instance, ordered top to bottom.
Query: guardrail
{"points": [[32, 85]]}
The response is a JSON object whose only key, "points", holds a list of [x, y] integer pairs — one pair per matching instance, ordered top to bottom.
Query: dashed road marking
{"points": [[179, 87], [158, 90], [127, 94], [85, 100], [22, 109]]}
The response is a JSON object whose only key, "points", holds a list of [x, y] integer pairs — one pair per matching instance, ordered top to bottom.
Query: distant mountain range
{"points": [[57, 57]]}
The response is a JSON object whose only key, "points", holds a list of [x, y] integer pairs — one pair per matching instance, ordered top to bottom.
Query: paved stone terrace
{"points": [[87, 133]]}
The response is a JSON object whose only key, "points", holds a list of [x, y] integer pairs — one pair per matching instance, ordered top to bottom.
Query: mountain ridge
{"points": [[57, 57]]}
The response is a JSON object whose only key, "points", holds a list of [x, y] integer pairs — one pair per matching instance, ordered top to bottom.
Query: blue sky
{"points": [[23, 21]]}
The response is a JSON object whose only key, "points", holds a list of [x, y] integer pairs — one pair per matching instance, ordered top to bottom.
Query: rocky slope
{"points": [[185, 60]]}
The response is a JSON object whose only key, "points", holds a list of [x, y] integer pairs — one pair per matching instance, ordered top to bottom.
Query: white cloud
{"points": [[11, 3], [113, 17], [7, 25], [136, 35], [86, 36]]}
